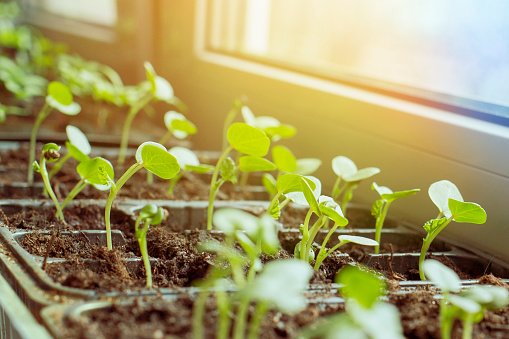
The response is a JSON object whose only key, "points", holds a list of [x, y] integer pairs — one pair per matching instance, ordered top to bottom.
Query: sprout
{"points": [[60, 98], [11, 110], [270, 125], [178, 126], [244, 139], [49, 154], [150, 155], [188, 162], [287, 163], [347, 172], [446, 196], [380, 207], [150, 214], [343, 240], [469, 305]]}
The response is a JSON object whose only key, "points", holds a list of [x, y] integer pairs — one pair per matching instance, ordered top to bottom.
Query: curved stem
{"points": [[45, 111], [127, 124], [58, 165], [44, 174], [173, 182], [214, 187], [74, 192], [113, 193], [380, 223], [312, 234], [305, 236], [142, 241], [426, 244], [322, 254]]}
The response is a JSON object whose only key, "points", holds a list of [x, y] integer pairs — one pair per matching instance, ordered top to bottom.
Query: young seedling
{"points": [[20, 81], [160, 89], [60, 98], [11, 110], [274, 129], [246, 140], [78, 148], [49, 154], [150, 155], [188, 162], [91, 171], [348, 179], [446, 196], [381, 206], [325, 208], [150, 214], [256, 236], [343, 240], [469, 305], [366, 316]]}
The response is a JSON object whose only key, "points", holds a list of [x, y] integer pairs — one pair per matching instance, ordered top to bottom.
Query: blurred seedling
{"points": [[188, 162]]}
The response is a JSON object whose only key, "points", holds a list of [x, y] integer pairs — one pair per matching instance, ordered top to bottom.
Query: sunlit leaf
{"points": [[60, 93], [247, 139], [284, 159], [157, 160], [250, 163], [307, 166], [343, 166], [90, 170], [440, 192], [467, 212], [357, 240], [442, 276], [361, 284]]}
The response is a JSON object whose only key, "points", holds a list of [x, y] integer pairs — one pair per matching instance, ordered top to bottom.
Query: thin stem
{"points": [[45, 111], [127, 124], [165, 137], [58, 165], [44, 174], [150, 177], [243, 179], [173, 182], [214, 187], [335, 188], [74, 192], [113, 193], [347, 196], [273, 202], [284, 203], [380, 223], [312, 234], [305, 236], [142, 241], [425, 246], [322, 253], [224, 309], [199, 312], [445, 317], [256, 320], [467, 326], [239, 328]]}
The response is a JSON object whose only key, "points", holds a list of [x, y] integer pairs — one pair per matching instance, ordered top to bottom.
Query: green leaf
{"points": [[151, 75], [164, 91], [60, 92], [71, 109], [178, 124], [185, 126], [282, 131], [78, 139], [247, 139], [76, 153], [284, 159], [157, 160], [250, 163], [307, 166], [343, 166], [200, 169], [229, 170], [91, 172], [361, 174], [269, 183], [291, 183], [381, 190], [440, 192], [298, 196], [310, 197], [377, 208], [332, 210], [275, 211], [467, 212], [231, 220], [268, 234], [357, 240], [442, 276], [361, 284], [489, 297], [465, 304]]}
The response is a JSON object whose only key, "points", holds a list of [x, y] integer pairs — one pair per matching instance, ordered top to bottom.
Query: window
{"points": [[453, 53]]}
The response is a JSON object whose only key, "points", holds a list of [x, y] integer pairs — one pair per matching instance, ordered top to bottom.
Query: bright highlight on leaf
{"points": [[60, 93], [247, 139], [157, 160], [250, 163]]}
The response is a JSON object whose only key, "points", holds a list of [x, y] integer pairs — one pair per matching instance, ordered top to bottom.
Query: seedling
{"points": [[20, 81], [160, 89], [60, 98], [11, 110], [270, 125], [178, 126], [246, 140], [78, 148], [49, 154], [150, 155], [188, 162], [91, 171], [348, 179], [446, 196], [381, 206], [150, 214], [256, 236], [343, 240], [469, 305], [366, 316]]}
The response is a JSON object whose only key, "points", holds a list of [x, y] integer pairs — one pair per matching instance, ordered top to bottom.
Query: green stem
{"points": [[43, 114], [127, 124], [165, 137], [58, 165], [44, 174], [150, 177], [243, 179], [173, 182], [214, 187], [335, 188], [74, 192], [113, 193], [347, 196], [273, 202], [284, 203], [380, 223], [312, 234], [305, 236], [142, 241], [426, 244], [322, 253], [224, 309], [199, 312], [445, 317], [256, 320], [467, 326], [239, 329]]}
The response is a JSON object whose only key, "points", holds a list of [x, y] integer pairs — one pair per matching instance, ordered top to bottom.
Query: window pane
{"points": [[449, 48]]}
